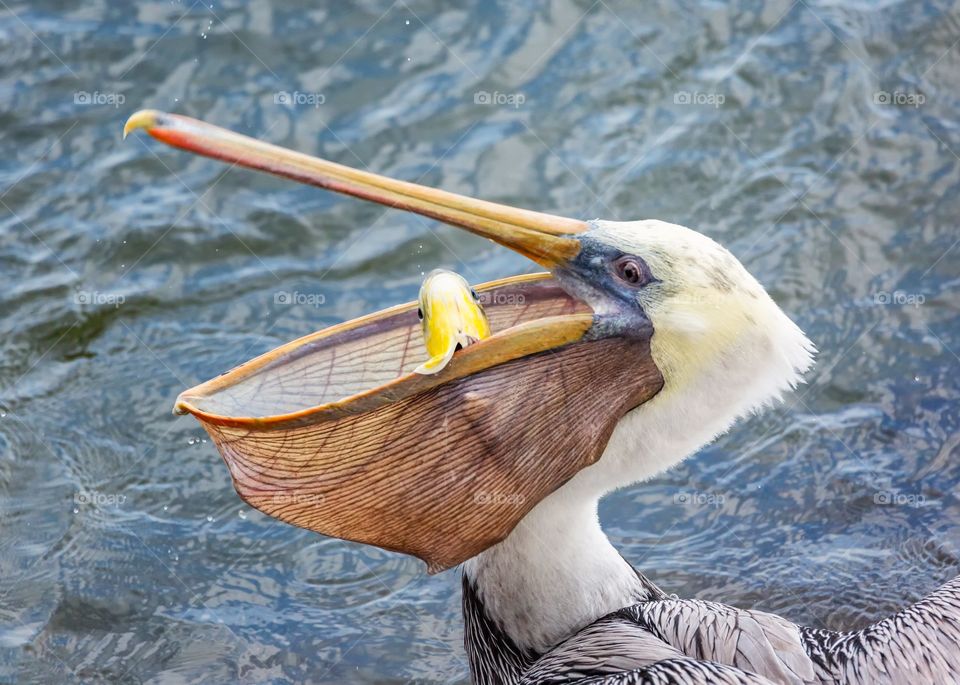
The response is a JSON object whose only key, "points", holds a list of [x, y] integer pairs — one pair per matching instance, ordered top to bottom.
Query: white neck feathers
{"points": [[556, 573]]}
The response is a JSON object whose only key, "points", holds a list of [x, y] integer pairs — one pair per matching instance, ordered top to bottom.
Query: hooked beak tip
{"points": [[145, 119]]}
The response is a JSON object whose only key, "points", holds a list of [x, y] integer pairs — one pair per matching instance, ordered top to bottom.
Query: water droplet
{"points": [[407, 22], [165, 507], [76, 510], [242, 514], [210, 519]]}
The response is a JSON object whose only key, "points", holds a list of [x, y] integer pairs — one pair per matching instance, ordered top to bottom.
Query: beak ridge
{"points": [[547, 239]]}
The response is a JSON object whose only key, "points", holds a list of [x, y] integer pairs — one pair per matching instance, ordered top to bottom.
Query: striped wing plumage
{"points": [[687, 642]]}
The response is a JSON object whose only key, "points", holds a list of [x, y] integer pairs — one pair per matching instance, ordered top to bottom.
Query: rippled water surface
{"points": [[818, 140]]}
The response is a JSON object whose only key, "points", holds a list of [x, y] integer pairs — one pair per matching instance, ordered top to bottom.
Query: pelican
{"points": [[648, 340]]}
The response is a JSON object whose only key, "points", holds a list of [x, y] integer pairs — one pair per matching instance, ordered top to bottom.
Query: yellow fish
{"points": [[451, 318]]}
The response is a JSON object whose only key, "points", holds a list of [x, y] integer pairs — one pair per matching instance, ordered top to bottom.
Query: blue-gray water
{"points": [[817, 140]]}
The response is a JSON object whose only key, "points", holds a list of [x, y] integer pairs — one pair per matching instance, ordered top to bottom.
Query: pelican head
{"points": [[656, 340], [723, 346]]}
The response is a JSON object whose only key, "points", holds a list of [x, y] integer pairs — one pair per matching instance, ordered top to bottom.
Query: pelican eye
{"points": [[633, 271], [419, 313]]}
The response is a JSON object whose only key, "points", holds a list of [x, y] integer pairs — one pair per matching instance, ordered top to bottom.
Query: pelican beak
{"points": [[546, 239], [338, 433]]}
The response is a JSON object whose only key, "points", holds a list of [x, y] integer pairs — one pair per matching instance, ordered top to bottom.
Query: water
{"points": [[132, 271]]}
